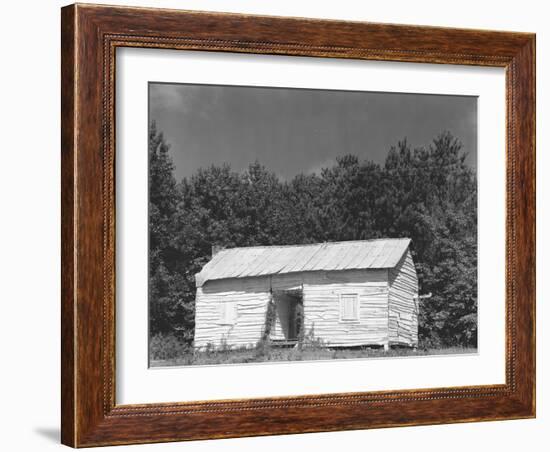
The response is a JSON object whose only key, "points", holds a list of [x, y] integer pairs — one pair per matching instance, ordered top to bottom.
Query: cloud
{"points": [[170, 98], [181, 99], [316, 169]]}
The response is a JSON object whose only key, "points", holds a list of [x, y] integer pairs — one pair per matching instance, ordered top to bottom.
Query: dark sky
{"points": [[294, 131]]}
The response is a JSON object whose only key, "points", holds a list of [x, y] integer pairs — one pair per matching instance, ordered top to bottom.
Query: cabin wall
{"points": [[321, 295], [251, 296], [321, 303], [403, 312]]}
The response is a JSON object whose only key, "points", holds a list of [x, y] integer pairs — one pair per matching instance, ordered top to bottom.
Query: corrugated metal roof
{"points": [[273, 260]]}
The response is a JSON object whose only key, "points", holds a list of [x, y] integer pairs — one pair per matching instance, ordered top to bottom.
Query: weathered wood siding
{"points": [[251, 296], [321, 296], [386, 307], [403, 314]]}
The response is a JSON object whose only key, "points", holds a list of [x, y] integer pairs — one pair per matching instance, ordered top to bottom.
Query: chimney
{"points": [[216, 249]]}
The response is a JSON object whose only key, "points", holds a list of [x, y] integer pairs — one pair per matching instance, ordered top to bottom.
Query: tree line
{"points": [[428, 194]]}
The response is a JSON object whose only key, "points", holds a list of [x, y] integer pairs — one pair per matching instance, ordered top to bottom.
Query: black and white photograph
{"points": [[291, 224]]}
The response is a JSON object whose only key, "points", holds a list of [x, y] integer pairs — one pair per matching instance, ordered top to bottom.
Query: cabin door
{"points": [[290, 315], [295, 318]]}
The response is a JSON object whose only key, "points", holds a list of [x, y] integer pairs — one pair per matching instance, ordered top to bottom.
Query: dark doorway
{"points": [[290, 313]]}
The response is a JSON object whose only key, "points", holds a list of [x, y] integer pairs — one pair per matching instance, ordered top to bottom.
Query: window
{"points": [[349, 307], [228, 313]]}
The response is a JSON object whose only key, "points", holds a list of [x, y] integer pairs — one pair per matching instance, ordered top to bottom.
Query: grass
{"points": [[185, 356]]}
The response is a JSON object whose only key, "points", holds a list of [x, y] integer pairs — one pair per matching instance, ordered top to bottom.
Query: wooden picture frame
{"points": [[90, 35]]}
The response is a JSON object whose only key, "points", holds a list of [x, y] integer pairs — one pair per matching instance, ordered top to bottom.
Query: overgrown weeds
{"points": [[167, 350]]}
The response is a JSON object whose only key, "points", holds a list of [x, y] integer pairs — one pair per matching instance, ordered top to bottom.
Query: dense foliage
{"points": [[427, 194]]}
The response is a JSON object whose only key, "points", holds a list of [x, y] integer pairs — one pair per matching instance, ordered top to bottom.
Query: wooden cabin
{"points": [[341, 294]]}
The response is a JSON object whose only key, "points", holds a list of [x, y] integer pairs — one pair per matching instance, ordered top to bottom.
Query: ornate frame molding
{"points": [[90, 37]]}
